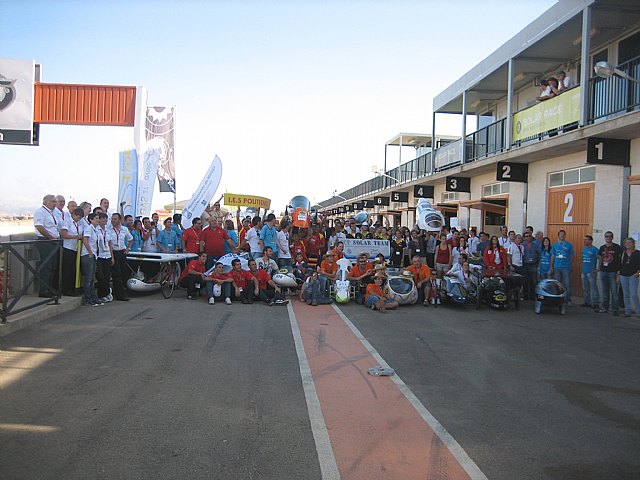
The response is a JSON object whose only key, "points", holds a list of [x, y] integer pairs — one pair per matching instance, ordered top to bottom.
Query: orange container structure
{"points": [[84, 104]]}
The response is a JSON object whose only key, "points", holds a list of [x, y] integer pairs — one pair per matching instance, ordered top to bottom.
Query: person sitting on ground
{"points": [[265, 262], [301, 268], [328, 271], [193, 276], [422, 278], [219, 285], [245, 285], [268, 291], [312, 293], [375, 296]]}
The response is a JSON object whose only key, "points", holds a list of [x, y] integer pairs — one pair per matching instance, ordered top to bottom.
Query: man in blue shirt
{"points": [[177, 228], [269, 235], [167, 238], [561, 257], [589, 269]]}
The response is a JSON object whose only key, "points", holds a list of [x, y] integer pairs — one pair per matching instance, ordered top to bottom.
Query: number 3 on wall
{"points": [[568, 213]]}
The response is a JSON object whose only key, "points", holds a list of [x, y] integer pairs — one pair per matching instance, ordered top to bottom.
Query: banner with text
{"points": [[548, 115], [160, 133], [146, 181], [128, 184], [203, 195], [239, 200], [354, 247]]}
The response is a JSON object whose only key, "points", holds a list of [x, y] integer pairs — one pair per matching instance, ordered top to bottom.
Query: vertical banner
{"points": [[17, 78], [160, 133], [128, 181], [146, 181], [203, 195]]}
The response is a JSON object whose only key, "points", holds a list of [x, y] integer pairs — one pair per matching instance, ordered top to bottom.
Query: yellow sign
{"points": [[548, 115], [239, 200]]}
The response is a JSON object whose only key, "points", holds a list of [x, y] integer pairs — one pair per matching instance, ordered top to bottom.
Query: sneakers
{"points": [[191, 297], [212, 300], [227, 301], [272, 302], [280, 302], [309, 302], [314, 303], [425, 303], [91, 304], [602, 310]]}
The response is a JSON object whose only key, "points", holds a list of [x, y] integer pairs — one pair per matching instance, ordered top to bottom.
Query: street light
{"points": [[606, 70], [380, 173], [335, 194]]}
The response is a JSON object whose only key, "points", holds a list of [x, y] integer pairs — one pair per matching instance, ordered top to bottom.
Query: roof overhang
{"points": [[549, 43], [417, 140], [493, 206]]}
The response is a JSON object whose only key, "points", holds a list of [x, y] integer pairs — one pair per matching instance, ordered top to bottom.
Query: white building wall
{"points": [[516, 210]]}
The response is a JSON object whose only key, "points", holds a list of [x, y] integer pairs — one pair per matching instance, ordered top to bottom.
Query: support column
{"points": [[585, 66], [509, 124], [464, 127], [433, 143], [399, 152], [384, 181]]}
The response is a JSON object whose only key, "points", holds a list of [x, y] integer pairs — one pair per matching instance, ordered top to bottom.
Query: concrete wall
{"points": [[634, 201]]}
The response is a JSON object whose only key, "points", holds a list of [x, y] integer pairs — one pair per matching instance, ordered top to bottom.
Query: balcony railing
{"points": [[616, 95], [608, 97], [487, 141]]}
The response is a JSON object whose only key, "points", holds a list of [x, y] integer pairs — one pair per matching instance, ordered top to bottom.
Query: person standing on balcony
{"points": [[564, 81], [46, 225], [561, 256], [608, 264]]}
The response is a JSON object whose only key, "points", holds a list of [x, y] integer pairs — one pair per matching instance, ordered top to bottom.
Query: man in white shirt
{"points": [[564, 81], [104, 205], [59, 212], [46, 225], [71, 232], [149, 236], [253, 238], [282, 239], [121, 240], [473, 242], [515, 253], [88, 257], [105, 260], [266, 262]]}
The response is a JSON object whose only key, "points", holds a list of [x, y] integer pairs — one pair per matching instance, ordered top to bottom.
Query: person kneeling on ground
{"points": [[191, 276], [245, 284], [219, 285], [267, 290], [312, 293], [375, 297]]}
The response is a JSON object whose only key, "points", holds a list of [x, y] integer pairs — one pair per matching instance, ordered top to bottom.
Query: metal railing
{"points": [[616, 95], [487, 141], [20, 273]]}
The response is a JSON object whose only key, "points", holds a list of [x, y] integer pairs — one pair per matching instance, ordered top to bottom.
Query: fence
{"points": [[21, 272]]}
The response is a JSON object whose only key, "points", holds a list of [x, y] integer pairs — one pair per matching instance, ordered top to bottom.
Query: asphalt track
{"points": [[175, 389]]}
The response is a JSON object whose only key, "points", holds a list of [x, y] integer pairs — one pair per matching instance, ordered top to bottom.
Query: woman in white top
{"points": [[461, 248]]}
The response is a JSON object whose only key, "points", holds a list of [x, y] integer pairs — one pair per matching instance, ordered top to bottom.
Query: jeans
{"points": [[284, 262], [88, 268], [531, 274], [563, 275], [609, 288], [590, 289], [225, 290], [313, 292], [630, 292]]}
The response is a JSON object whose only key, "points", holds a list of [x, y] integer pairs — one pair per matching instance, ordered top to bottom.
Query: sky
{"points": [[296, 98]]}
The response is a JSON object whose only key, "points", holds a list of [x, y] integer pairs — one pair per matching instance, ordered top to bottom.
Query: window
{"points": [[573, 176], [499, 188], [450, 196]]}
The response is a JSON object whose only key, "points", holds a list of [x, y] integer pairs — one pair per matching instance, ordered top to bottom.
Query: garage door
{"points": [[571, 209]]}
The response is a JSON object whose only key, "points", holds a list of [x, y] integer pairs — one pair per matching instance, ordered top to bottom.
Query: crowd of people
{"points": [[554, 86], [105, 238]]}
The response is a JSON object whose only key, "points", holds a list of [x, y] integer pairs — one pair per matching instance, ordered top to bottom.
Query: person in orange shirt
{"points": [[339, 250], [328, 271], [421, 277], [375, 297]]}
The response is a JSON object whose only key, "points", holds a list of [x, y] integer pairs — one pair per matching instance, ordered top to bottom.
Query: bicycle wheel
{"points": [[167, 281]]}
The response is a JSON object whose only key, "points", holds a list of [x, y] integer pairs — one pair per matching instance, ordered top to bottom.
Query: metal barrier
{"points": [[487, 141], [16, 266]]}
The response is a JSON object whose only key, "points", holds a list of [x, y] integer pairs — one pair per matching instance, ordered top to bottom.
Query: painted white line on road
{"points": [[454, 447], [328, 466]]}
